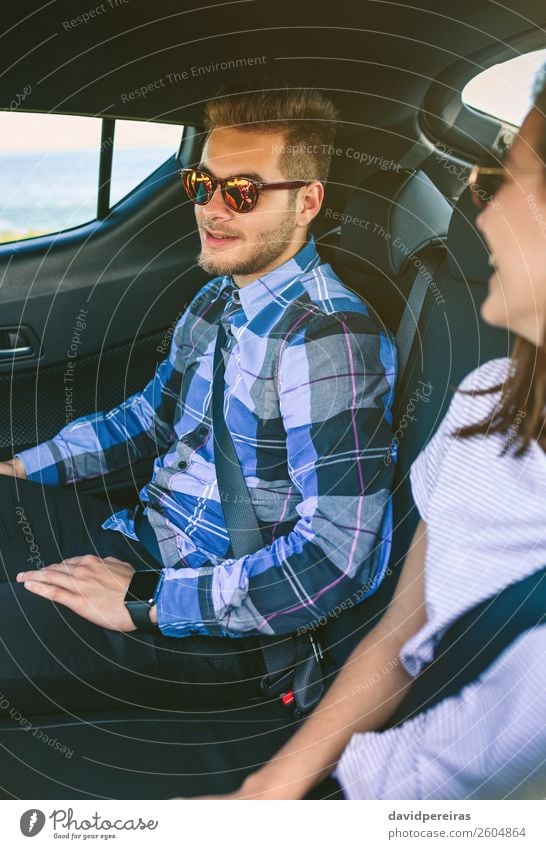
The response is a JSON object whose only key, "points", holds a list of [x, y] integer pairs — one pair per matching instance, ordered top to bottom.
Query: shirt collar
{"points": [[262, 291]]}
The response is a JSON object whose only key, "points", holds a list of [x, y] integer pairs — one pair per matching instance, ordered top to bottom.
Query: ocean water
{"points": [[46, 191]]}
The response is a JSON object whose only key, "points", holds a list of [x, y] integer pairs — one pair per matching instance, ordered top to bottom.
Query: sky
{"points": [[505, 89], [28, 131]]}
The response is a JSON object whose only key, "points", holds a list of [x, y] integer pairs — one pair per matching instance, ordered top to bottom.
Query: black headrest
{"points": [[389, 218], [467, 252]]}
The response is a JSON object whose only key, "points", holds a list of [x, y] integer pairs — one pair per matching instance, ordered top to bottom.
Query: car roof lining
{"points": [[374, 59]]}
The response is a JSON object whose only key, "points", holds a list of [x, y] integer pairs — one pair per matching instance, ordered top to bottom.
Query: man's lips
{"points": [[218, 239]]}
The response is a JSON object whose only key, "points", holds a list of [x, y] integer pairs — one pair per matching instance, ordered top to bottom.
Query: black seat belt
{"points": [[409, 323], [474, 642], [293, 661]]}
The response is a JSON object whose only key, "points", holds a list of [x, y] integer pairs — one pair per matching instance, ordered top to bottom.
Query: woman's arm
{"points": [[353, 703], [485, 742]]}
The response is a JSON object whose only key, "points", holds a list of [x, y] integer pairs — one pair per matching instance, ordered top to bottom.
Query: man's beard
{"points": [[269, 246]]}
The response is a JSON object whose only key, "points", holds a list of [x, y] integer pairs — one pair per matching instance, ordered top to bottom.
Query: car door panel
{"points": [[99, 304]]}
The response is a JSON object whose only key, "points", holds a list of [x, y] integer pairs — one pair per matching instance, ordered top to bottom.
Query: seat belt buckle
{"points": [[277, 685], [288, 701]]}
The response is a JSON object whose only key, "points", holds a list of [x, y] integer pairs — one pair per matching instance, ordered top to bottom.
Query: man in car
{"points": [[309, 380]]}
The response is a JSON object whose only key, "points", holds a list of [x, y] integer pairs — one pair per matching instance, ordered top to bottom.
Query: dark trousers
{"points": [[53, 661]]}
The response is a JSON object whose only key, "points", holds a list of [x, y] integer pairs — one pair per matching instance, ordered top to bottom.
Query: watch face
{"points": [[142, 586]]}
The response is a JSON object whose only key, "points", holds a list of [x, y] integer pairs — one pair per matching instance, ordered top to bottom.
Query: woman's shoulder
{"points": [[489, 374], [472, 402], [466, 408]]}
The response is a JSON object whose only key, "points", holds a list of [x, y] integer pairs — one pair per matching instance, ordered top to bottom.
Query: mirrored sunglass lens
{"points": [[198, 186], [241, 195]]}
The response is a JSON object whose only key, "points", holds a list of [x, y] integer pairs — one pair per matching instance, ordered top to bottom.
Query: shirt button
{"points": [[182, 465]]}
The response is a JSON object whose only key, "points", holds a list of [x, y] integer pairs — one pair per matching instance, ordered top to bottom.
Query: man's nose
{"points": [[216, 207]]}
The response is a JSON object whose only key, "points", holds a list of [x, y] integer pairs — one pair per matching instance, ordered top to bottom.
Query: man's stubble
{"points": [[269, 245]]}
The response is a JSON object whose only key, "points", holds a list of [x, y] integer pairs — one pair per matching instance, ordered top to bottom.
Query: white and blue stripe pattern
{"points": [[486, 529]]}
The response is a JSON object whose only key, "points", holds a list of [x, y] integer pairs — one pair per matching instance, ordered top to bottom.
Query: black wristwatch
{"points": [[140, 597]]}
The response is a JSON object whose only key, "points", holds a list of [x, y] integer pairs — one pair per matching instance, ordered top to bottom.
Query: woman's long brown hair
{"points": [[524, 390]]}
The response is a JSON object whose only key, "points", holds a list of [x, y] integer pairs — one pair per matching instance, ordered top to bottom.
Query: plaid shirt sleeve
{"points": [[336, 379], [101, 442]]}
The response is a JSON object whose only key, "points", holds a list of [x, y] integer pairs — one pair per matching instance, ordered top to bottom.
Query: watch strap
{"points": [[139, 601], [139, 611]]}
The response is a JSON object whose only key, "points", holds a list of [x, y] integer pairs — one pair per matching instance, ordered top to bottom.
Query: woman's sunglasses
{"points": [[486, 180], [240, 194]]}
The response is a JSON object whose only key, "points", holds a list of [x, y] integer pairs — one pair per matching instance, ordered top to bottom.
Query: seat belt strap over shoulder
{"points": [[408, 329], [241, 520], [474, 642], [292, 662]]}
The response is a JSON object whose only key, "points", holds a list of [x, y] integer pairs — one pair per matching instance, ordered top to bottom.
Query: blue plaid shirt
{"points": [[309, 383]]}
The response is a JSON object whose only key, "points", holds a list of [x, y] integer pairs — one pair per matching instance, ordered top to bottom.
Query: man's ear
{"points": [[309, 202]]}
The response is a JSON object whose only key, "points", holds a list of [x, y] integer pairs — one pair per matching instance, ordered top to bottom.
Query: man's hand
{"points": [[13, 467], [93, 587]]}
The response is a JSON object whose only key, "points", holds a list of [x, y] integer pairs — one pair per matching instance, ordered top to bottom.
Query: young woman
{"points": [[480, 488]]}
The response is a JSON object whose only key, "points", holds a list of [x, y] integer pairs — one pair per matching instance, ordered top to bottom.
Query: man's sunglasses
{"points": [[485, 181], [240, 194]]}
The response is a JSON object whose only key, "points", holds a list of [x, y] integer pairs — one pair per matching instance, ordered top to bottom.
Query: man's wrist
{"points": [[18, 468], [153, 614]]}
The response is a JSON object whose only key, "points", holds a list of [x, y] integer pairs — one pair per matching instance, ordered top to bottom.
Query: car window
{"points": [[504, 90], [139, 148], [49, 166]]}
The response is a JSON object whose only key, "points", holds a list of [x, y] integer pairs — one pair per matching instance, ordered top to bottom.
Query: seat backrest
{"points": [[390, 220], [412, 226], [452, 339]]}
